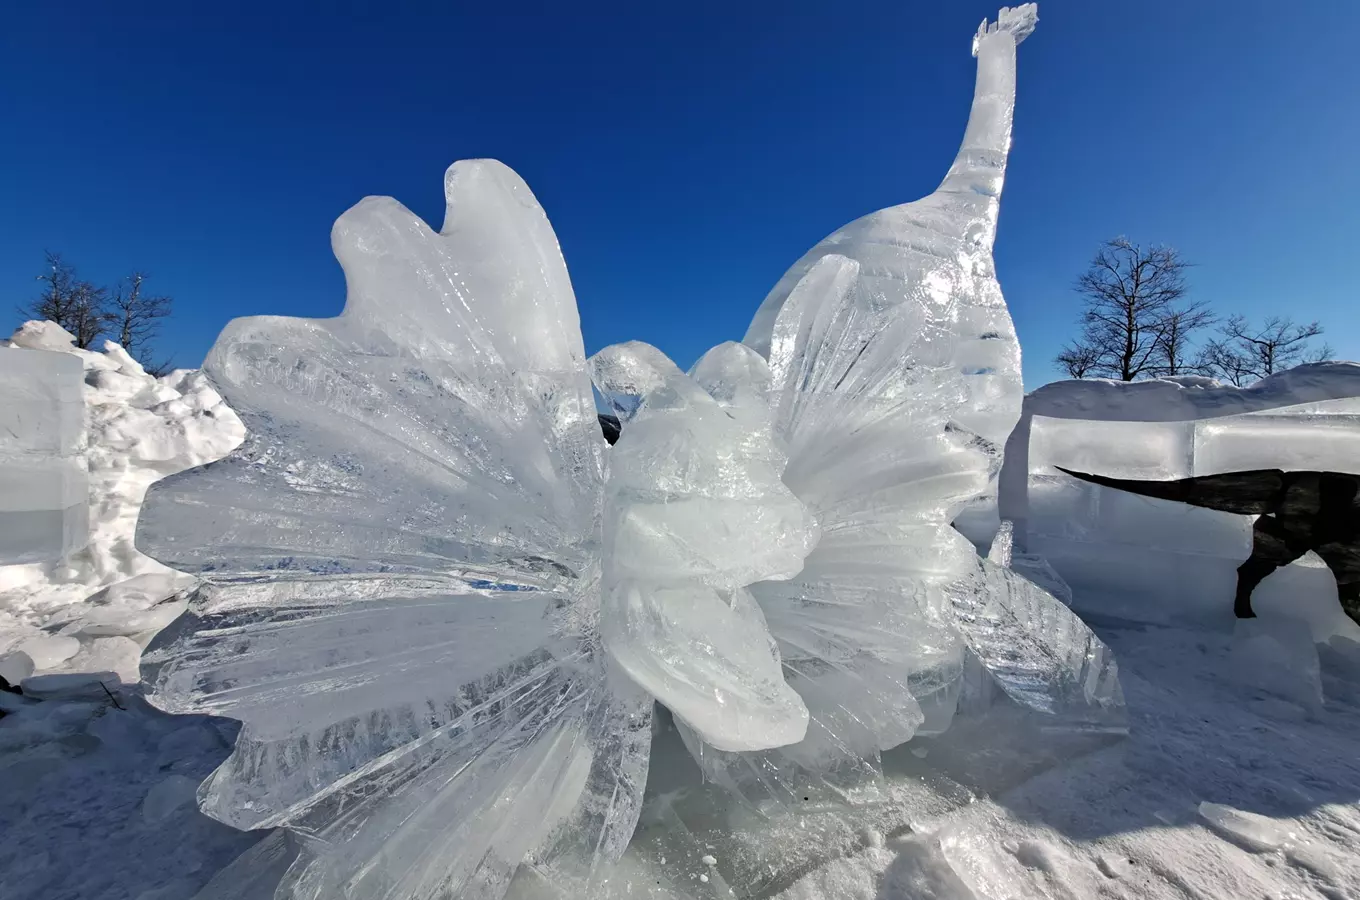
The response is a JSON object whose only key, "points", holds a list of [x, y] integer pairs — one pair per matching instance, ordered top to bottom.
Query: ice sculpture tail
{"points": [[1243, 493]]}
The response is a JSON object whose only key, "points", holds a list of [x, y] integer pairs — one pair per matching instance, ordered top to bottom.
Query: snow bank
{"points": [[1156, 560], [94, 610]]}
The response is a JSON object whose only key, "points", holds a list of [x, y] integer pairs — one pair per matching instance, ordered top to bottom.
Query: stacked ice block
{"points": [[43, 494], [1149, 559]]}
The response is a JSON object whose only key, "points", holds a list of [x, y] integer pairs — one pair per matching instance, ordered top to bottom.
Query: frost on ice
{"points": [[442, 607]]}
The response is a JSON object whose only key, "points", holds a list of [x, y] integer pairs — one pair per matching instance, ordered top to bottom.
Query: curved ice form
{"points": [[929, 263], [895, 379], [695, 513], [403, 565]]}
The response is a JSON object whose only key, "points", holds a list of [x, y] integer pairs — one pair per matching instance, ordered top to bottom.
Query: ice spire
{"points": [[934, 255]]}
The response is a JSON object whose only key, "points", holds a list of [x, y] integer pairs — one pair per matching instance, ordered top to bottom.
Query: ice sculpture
{"points": [[894, 379], [43, 497], [695, 512], [1148, 558], [407, 559], [402, 603], [441, 607]]}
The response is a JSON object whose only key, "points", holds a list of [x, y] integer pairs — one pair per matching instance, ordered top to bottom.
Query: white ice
{"points": [[695, 513]]}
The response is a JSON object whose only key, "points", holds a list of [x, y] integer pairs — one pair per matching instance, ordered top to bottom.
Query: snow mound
{"points": [[96, 608]]}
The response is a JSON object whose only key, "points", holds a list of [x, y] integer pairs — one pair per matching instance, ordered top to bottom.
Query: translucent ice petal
{"points": [[444, 416], [696, 511], [403, 595]]}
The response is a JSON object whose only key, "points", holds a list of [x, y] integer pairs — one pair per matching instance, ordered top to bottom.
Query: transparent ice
{"points": [[43, 496], [442, 608]]}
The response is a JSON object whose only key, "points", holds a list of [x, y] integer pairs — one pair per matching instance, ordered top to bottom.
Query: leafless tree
{"points": [[1131, 293], [77, 306], [129, 314], [135, 316], [1176, 354], [1244, 354], [1077, 360]]}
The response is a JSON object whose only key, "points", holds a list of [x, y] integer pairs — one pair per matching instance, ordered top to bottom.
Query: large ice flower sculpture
{"points": [[404, 567]]}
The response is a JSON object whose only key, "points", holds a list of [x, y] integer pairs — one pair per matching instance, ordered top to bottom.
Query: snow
{"points": [[95, 608], [1214, 795]]}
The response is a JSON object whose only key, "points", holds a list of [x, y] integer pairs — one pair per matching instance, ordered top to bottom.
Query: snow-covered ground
{"points": [[1241, 777], [1222, 791]]}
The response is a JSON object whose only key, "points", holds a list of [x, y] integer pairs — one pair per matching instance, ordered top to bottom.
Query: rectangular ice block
{"points": [[43, 491]]}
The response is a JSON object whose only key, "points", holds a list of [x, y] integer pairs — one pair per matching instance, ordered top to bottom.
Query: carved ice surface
{"points": [[894, 379], [43, 501], [696, 512], [403, 565], [442, 612]]}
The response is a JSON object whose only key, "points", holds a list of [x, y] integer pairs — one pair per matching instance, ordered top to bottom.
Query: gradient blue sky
{"points": [[686, 155]]}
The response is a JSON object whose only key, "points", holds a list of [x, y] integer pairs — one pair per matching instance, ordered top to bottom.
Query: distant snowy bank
{"points": [[95, 610]]}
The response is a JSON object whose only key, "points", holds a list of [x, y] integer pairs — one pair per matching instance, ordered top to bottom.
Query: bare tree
{"points": [[1130, 293], [77, 306], [129, 314], [135, 316], [1175, 353], [1244, 354], [1077, 360]]}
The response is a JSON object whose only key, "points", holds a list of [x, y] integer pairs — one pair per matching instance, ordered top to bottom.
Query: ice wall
{"points": [[44, 513], [1153, 559]]}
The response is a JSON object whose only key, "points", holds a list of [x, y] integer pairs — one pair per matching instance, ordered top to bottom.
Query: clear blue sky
{"points": [[686, 154]]}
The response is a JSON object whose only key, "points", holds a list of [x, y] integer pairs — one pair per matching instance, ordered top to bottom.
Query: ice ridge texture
{"points": [[44, 507], [402, 564]]}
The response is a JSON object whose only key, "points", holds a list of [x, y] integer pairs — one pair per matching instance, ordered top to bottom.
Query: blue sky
{"points": [[686, 155]]}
